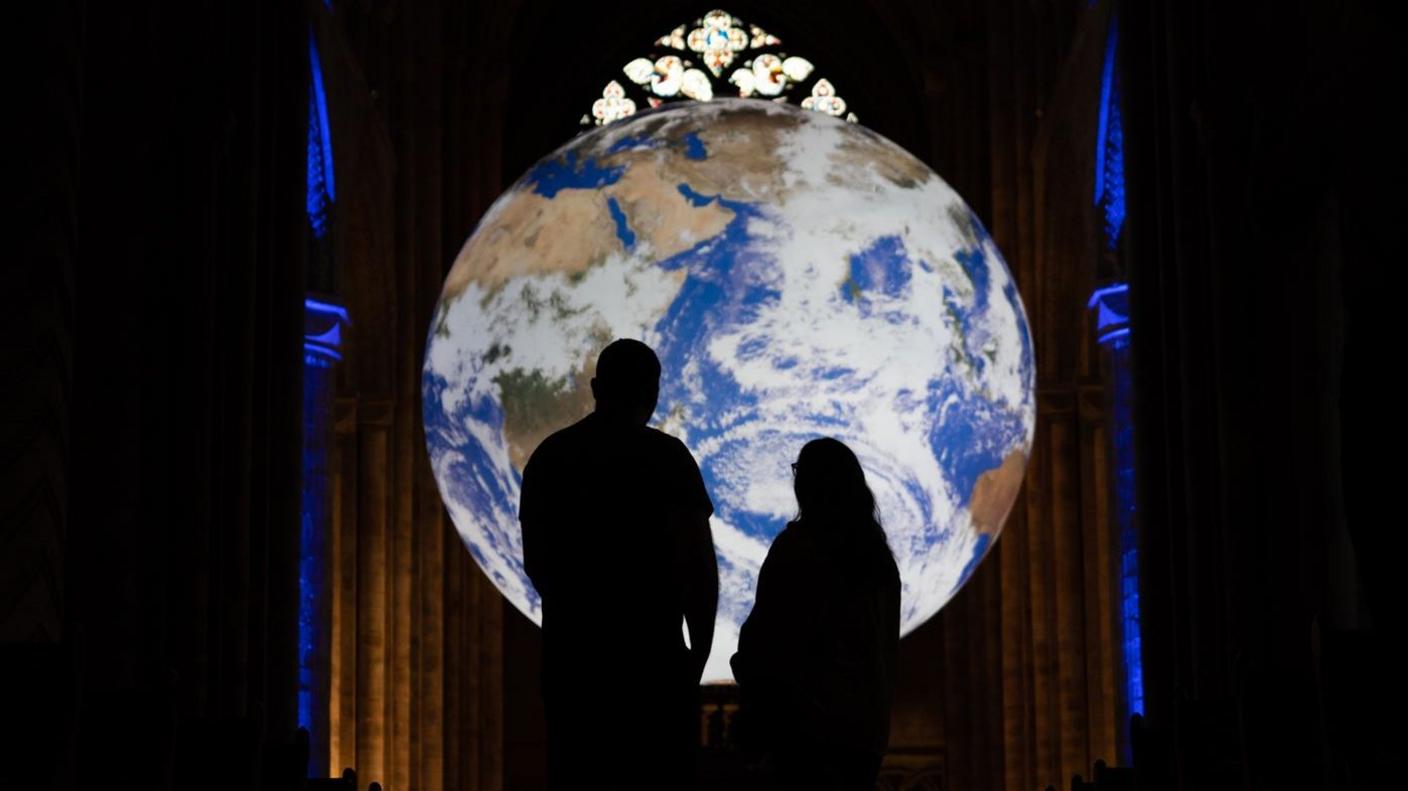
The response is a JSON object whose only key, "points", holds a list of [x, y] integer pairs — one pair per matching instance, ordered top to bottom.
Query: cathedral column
{"points": [[322, 341]]}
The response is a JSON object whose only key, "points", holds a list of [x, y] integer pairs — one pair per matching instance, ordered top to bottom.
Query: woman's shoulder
{"points": [[786, 540], [794, 545], [887, 560]]}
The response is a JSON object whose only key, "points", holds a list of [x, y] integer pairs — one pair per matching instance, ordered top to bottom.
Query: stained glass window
{"points": [[717, 55]]}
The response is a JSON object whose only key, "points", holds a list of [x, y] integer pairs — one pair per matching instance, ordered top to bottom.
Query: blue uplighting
{"points": [[1109, 143], [322, 188], [1106, 292], [1111, 306], [326, 309], [323, 323], [1110, 337], [318, 356], [1129, 549], [310, 573]]}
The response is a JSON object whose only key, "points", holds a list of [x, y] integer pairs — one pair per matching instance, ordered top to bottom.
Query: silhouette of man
{"points": [[616, 540]]}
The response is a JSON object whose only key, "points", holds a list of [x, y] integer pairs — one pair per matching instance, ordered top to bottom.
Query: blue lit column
{"points": [[1111, 305], [324, 319], [322, 341]]}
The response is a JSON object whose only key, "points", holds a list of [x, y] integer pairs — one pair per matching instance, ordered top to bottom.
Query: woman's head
{"points": [[831, 488]]}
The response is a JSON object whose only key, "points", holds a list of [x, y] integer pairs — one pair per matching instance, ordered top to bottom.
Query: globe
{"points": [[798, 276]]}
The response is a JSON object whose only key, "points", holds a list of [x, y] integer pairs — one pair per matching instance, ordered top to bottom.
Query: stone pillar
{"points": [[1111, 304], [322, 342]]}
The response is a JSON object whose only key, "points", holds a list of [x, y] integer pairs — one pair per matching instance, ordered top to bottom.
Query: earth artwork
{"points": [[798, 276]]}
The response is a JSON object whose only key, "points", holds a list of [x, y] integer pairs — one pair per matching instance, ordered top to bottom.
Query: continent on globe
{"points": [[798, 276]]}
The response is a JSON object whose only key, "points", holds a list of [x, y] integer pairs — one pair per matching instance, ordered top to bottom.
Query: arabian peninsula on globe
{"points": [[799, 276]]}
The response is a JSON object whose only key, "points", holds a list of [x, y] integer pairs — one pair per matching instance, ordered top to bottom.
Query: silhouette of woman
{"points": [[816, 656]]}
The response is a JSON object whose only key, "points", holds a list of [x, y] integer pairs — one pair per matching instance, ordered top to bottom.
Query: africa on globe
{"points": [[798, 276]]}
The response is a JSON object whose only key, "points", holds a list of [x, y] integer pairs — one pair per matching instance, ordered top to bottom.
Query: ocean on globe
{"points": [[798, 276]]}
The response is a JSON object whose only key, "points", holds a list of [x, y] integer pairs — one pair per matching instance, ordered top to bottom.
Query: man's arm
{"points": [[531, 513], [694, 559], [533, 562], [700, 575]]}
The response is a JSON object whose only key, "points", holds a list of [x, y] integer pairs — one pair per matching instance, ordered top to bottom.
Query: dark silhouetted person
{"points": [[616, 540], [816, 656]]}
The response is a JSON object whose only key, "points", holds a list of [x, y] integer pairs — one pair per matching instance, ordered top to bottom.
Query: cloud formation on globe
{"points": [[799, 276]]}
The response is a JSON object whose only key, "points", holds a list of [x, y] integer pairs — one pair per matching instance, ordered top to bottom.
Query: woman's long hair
{"points": [[832, 492]]}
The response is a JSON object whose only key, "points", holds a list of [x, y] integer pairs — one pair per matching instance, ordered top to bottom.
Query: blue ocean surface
{"points": [[634, 143], [694, 147], [568, 172], [695, 198], [623, 226], [975, 265], [883, 267], [728, 280], [1028, 360], [971, 435], [475, 483], [979, 549]]}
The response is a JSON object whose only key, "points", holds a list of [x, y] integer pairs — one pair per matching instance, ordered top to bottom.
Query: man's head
{"points": [[627, 381]]}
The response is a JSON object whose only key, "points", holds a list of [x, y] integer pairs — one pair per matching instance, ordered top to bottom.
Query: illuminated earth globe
{"points": [[799, 276]]}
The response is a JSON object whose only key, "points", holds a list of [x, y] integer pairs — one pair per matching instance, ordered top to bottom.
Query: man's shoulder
{"points": [[667, 442], [558, 443], [672, 451], [682, 471]]}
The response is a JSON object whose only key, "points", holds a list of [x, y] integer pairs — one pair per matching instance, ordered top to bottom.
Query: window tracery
{"points": [[717, 55]]}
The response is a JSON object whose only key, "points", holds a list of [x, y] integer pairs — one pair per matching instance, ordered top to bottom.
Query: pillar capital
{"points": [[1111, 306], [323, 319]]}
